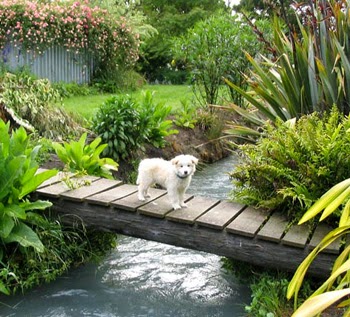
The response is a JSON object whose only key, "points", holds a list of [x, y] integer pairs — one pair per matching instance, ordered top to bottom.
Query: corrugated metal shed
{"points": [[56, 64]]}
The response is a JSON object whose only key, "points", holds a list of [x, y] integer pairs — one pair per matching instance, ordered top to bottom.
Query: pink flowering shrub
{"points": [[75, 26]]}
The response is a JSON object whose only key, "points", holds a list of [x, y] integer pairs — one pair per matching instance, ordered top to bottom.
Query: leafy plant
{"points": [[212, 49], [307, 71], [32, 100], [155, 115], [185, 116], [119, 125], [126, 126], [85, 158], [292, 164], [18, 178], [65, 247], [337, 286], [268, 297]]}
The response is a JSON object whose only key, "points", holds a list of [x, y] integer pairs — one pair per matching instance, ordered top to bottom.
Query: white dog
{"points": [[175, 176]]}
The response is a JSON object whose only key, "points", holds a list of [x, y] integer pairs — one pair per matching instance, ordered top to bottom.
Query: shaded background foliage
{"points": [[171, 19]]}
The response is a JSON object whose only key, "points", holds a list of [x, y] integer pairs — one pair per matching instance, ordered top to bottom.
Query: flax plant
{"points": [[308, 71]]}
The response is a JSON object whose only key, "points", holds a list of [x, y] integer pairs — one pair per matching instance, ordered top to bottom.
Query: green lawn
{"points": [[168, 94]]}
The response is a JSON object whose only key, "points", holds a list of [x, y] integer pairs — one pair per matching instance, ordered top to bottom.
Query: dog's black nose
{"points": [[185, 172]]}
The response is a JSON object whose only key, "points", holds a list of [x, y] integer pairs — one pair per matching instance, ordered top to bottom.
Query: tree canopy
{"points": [[171, 19]]}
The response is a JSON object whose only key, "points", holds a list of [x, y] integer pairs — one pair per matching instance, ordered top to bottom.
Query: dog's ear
{"points": [[194, 160], [174, 161]]}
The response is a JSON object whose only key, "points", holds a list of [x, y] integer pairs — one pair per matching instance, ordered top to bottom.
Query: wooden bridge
{"points": [[219, 227]]}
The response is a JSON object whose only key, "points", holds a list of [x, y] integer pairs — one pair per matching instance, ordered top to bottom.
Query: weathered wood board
{"points": [[96, 187], [108, 196], [132, 203], [195, 208], [220, 215], [248, 222], [273, 228], [297, 236]]}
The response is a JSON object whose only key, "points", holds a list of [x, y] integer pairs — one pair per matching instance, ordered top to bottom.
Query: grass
{"points": [[172, 95]]}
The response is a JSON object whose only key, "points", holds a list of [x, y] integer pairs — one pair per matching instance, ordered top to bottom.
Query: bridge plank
{"points": [[96, 187], [56, 189], [106, 197], [132, 203], [160, 207], [195, 208], [219, 216], [248, 222], [273, 228], [321, 231], [297, 236]]}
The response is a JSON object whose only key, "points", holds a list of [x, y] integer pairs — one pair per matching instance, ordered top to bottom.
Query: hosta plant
{"points": [[83, 158], [19, 177]]}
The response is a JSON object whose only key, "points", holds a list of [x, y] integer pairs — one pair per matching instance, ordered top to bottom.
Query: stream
{"points": [[143, 278]]}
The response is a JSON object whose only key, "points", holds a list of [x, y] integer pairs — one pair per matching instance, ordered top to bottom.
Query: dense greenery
{"points": [[171, 19], [213, 50], [308, 71], [32, 103], [127, 125], [83, 158], [293, 163], [18, 179], [34, 249], [336, 288]]}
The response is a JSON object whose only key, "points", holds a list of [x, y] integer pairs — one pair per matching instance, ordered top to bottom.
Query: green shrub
{"points": [[212, 50], [67, 90], [32, 100], [155, 115], [186, 116], [119, 125], [126, 126], [85, 158], [294, 163], [18, 179], [65, 247]]}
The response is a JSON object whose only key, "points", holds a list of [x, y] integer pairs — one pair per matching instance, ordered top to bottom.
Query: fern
{"points": [[292, 164]]}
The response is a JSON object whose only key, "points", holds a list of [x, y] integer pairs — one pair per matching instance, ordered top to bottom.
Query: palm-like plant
{"points": [[309, 70], [337, 286]]}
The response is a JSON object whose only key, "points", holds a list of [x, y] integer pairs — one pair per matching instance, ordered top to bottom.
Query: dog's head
{"points": [[185, 165]]}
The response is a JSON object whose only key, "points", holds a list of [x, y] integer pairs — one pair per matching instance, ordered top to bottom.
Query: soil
{"points": [[191, 141]]}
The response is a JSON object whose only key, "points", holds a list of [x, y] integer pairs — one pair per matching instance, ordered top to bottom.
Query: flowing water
{"points": [[144, 279]]}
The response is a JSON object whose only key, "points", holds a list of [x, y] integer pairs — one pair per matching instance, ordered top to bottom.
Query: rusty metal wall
{"points": [[56, 64]]}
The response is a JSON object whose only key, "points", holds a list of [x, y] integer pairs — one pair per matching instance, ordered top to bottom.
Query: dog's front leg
{"points": [[174, 198], [182, 199]]}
